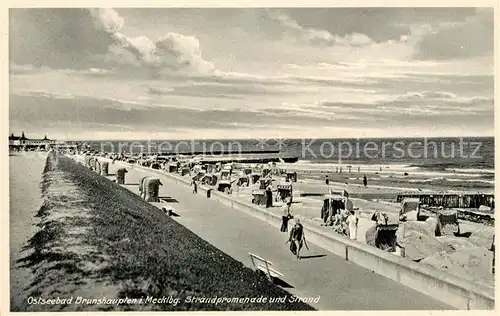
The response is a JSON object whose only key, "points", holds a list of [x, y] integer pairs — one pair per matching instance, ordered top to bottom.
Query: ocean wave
{"points": [[459, 166], [385, 170], [471, 170], [420, 180], [450, 180], [470, 180]]}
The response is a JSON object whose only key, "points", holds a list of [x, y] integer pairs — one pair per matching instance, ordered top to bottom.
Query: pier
{"points": [[265, 158]]}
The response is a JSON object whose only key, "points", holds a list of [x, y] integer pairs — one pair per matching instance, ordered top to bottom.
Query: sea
{"points": [[474, 154]]}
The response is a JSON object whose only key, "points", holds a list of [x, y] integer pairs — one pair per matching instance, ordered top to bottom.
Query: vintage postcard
{"points": [[290, 158]]}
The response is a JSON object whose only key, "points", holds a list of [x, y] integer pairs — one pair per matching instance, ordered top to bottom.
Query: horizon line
{"points": [[269, 138]]}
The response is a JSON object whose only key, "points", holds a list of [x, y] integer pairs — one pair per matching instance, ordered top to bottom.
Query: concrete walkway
{"points": [[25, 171], [340, 284]]}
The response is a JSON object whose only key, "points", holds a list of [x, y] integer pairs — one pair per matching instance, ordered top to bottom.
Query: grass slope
{"points": [[100, 240]]}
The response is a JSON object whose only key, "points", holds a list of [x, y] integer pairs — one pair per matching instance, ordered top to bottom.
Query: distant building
{"points": [[14, 140], [24, 143]]}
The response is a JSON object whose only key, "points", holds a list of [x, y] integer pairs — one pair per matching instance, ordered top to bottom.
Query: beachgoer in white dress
{"points": [[352, 222]]}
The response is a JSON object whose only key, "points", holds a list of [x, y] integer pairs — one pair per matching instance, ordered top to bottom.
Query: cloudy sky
{"points": [[240, 73]]}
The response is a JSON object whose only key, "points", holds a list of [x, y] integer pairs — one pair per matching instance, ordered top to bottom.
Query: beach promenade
{"points": [[25, 201], [340, 284]]}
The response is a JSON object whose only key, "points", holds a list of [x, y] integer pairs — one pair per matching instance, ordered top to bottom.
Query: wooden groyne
{"points": [[452, 200], [468, 215]]}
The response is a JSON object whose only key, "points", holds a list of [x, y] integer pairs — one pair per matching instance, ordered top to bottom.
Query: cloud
{"points": [[107, 20], [381, 24], [457, 34], [319, 37], [472, 37], [57, 38], [92, 38], [186, 51], [172, 52], [96, 66], [21, 69], [28, 69], [159, 91], [45, 94], [427, 95], [478, 100], [415, 105], [42, 108], [94, 115]]}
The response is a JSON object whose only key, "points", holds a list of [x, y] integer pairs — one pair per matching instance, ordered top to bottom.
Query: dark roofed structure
{"points": [[12, 137], [24, 143]]}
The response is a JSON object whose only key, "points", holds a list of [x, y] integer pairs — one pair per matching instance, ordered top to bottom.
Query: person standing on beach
{"points": [[365, 180], [327, 181], [195, 186], [237, 188], [269, 197], [349, 206], [286, 216], [352, 223]]}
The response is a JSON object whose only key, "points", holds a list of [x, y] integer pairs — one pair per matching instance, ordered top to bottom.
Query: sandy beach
{"points": [[471, 254], [467, 257]]}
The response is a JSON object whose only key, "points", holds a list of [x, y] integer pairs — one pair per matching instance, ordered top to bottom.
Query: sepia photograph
{"points": [[287, 158]]}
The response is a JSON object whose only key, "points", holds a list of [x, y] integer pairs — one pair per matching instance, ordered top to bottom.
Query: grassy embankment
{"points": [[97, 240]]}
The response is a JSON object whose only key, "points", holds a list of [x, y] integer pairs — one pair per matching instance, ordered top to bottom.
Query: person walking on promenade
{"points": [[365, 180], [195, 186], [269, 197], [286, 216], [297, 238], [492, 248]]}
